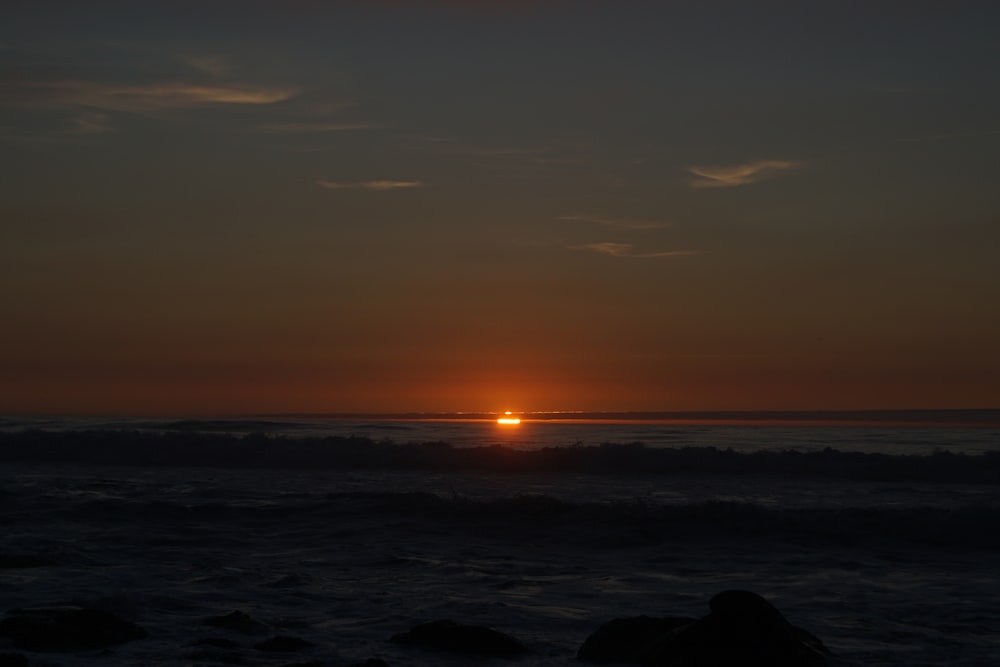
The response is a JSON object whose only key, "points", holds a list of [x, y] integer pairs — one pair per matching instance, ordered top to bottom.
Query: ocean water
{"points": [[880, 540]]}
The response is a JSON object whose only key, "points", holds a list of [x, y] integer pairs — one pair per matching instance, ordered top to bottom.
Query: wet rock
{"points": [[23, 561], [237, 621], [742, 628], [67, 629], [447, 635], [626, 639], [216, 642], [280, 644], [212, 655], [13, 660]]}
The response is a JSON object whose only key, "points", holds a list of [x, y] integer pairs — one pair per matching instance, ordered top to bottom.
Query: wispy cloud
{"points": [[206, 64], [152, 97], [91, 122], [309, 128], [954, 135], [434, 139], [503, 153], [515, 155], [740, 174], [370, 185], [620, 223], [629, 250]]}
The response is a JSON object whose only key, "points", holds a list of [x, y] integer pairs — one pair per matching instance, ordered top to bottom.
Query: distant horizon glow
{"points": [[508, 419]]}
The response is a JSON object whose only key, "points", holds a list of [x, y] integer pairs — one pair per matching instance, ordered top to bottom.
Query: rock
{"points": [[21, 561], [237, 621], [67, 629], [742, 629], [447, 635], [625, 639], [216, 642], [278, 644], [213, 655], [13, 660]]}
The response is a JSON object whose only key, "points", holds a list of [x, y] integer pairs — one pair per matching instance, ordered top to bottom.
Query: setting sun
{"points": [[508, 418]]}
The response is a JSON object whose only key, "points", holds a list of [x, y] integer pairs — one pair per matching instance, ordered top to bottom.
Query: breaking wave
{"points": [[260, 450], [528, 517]]}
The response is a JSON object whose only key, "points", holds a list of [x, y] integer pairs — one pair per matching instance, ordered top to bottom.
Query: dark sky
{"points": [[248, 206]]}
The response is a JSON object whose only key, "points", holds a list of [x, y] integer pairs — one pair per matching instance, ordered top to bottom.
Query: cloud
{"points": [[478, 5], [211, 65], [123, 97], [91, 122], [307, 128], [955, 135], [499, 152], [741, 174], [370, 185], [621, 223], [629, 250]]}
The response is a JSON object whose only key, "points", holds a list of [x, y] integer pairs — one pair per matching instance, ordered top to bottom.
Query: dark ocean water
{"points": [[885, 432], [881, 540]]}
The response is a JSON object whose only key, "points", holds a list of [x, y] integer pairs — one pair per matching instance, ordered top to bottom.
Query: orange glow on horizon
{"points": [[509, 419]]}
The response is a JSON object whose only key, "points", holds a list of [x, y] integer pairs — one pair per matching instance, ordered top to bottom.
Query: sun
{"points": [[508, 419]]}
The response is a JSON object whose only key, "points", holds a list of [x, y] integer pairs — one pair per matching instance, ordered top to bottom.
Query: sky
{"points": [[380, 206]]}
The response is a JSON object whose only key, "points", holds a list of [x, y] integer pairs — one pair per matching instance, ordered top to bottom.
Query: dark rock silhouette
{"points": [[21, 561], [237, 621], [742, 628], [67, 629], [446, 635], [626, 639], [216, 642], [281, 644], [209, 654], [13, 660]]}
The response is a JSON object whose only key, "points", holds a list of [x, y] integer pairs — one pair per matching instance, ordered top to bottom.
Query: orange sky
{"points": [[448, 206]]}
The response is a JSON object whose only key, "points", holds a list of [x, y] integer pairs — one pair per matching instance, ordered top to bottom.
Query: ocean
{"points": [[880, 536]]}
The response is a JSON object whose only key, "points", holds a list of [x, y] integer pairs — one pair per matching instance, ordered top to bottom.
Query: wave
{"points": [[260, 450], [528, 517], [643, 521]]}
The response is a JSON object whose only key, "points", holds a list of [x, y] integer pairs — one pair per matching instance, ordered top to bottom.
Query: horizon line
{"points": [[984, 416]]}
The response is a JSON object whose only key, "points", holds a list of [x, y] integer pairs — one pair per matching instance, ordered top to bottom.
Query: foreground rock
{"points": [[23, 561], [237, 621], [742, 628], [67, 629], [450, 636], [627, 639], [281, 643], [13, 660]]}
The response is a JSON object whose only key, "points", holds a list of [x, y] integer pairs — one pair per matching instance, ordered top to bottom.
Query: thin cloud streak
{"points": [[211, 65], [116, 97], [91, 122], [309, 128], [498, 152], [741, 174], [371, 185], [621, 223], [616, 249]]}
